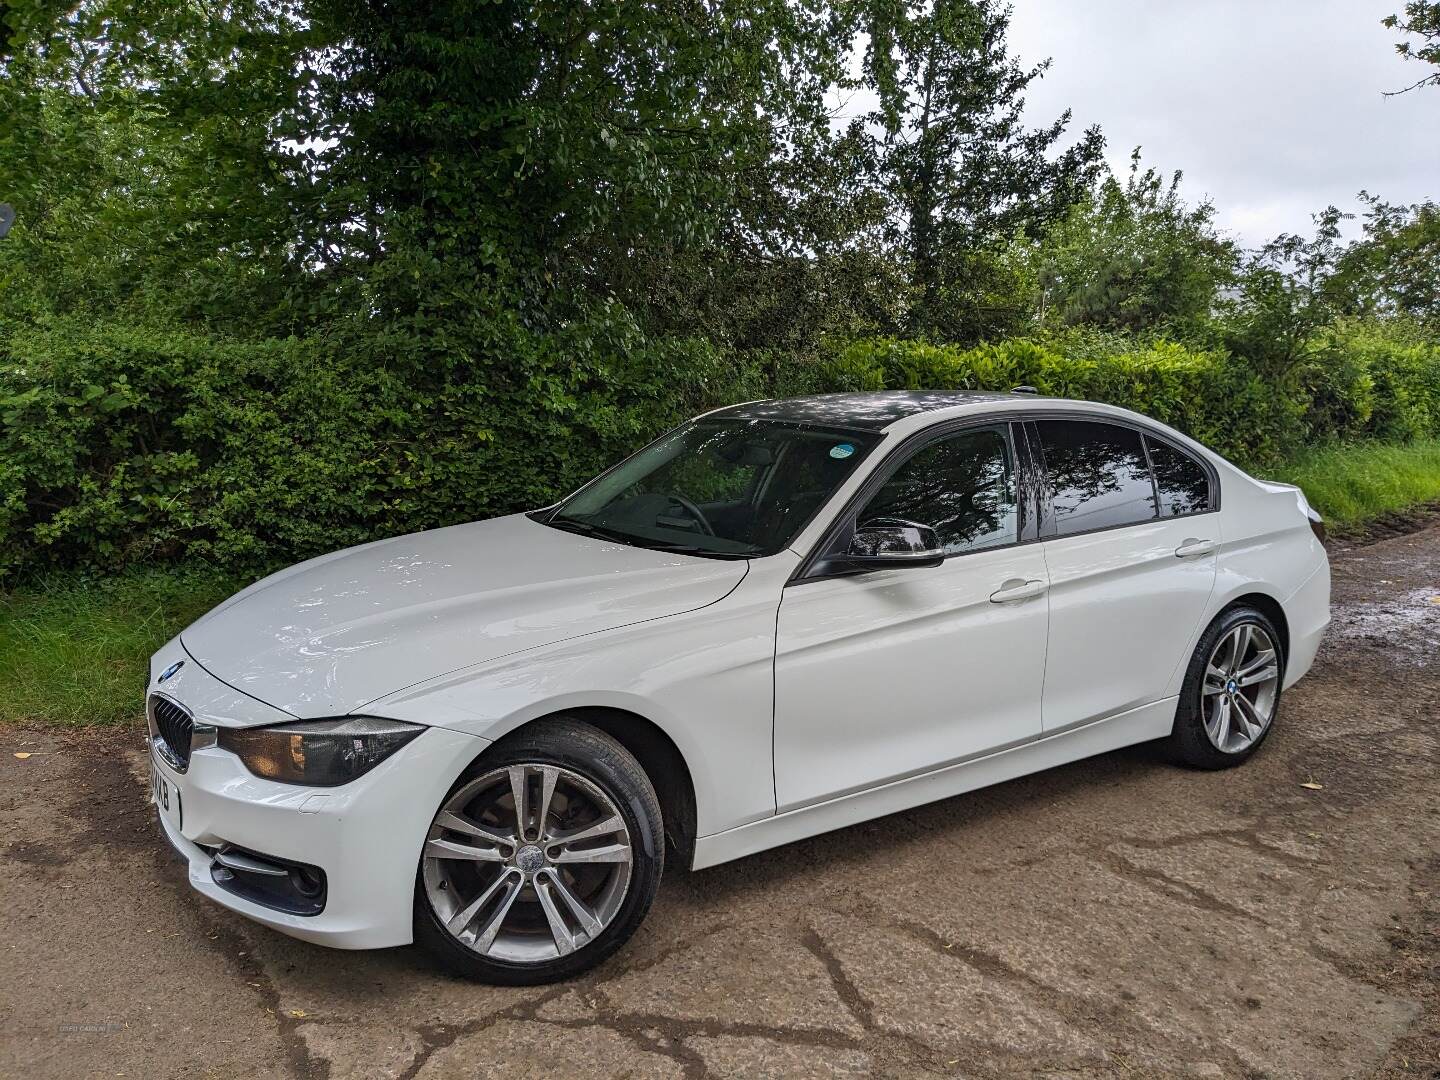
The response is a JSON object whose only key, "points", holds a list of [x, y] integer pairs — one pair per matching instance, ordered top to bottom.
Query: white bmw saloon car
{"points": [[780, 618]]}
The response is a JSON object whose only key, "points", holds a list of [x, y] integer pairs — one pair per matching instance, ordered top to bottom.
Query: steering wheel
{"points": [[694, 511]]}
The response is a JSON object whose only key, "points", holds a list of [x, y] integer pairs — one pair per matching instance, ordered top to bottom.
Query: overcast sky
{"points": [[1272, 108]]}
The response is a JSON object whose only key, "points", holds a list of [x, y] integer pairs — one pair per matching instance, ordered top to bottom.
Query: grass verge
{"points": [[1351, 484], [75, 650]]}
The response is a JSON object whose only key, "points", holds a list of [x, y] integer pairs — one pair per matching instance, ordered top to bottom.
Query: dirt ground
{"points": [[1114, 918]]}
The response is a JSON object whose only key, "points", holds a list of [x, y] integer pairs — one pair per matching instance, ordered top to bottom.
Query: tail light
{"points": [[1317, 523]]}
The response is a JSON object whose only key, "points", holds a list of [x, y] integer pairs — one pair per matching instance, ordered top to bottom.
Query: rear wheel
{"points": [[1231, 691], [542, 860]]}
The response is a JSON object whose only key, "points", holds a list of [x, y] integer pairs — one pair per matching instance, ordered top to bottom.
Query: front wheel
{"points": [[1231, 691], [542, 860]]}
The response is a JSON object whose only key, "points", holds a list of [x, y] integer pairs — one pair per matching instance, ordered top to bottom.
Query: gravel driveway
{"points": [[1117, 917]]}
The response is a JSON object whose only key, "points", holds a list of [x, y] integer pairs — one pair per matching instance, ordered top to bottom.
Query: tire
{"points": [[1193, 742], [593, 779]]}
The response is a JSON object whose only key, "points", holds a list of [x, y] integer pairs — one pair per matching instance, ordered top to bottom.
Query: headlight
{"points": [[323, 753]]}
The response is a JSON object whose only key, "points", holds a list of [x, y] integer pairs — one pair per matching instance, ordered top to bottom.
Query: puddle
{"points": [[1408, 624]]}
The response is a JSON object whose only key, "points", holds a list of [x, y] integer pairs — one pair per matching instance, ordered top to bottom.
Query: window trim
{"points": [[1031, 465], [1026, 491], [1049, 529]]}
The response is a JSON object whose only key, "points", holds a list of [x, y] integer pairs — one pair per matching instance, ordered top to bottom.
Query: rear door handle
{"points": [[1192, 547], [1018, 589]]}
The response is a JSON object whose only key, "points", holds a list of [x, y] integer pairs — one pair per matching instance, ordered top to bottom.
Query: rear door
{"points": [[1131, 555], [893, 672]]}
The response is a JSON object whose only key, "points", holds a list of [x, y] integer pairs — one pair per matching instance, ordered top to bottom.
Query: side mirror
{"points": [[894, 542]]}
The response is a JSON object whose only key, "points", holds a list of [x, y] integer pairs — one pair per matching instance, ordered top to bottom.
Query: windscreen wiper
{"points": [[584, 528], [687, 549]]}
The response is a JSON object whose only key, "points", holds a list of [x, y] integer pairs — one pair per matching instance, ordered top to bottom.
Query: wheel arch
{"points": [[1246, 594], [1268, 606], [664, 765]]}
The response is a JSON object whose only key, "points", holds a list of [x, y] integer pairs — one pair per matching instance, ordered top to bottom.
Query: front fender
{"points": [[704, 677]]}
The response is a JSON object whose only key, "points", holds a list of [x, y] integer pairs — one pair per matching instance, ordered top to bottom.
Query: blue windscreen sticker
{"points": [[841, 450]]}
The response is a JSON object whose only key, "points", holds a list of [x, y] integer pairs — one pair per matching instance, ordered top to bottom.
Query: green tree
{"points": [[1421, 19], [136, 143], [531, 151], [279, 161], [958, 164], [804, 256], [1132, 256], [1394, 268], [1284, 296]]}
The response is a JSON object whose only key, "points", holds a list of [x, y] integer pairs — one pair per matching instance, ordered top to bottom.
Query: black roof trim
{"points": [[874, 411]]}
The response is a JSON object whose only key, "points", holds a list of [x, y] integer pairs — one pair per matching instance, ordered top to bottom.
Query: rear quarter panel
{"points": [[1267, 547]]}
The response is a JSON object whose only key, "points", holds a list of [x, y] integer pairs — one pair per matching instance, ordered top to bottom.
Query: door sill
{"points": [[1139, 725]]}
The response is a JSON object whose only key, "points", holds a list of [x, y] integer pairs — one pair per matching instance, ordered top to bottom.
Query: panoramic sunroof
{"points": [[872, 411]]}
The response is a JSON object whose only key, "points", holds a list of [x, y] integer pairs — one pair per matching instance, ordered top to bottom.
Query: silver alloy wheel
{"points": [[1240, 688], [527, 863]]}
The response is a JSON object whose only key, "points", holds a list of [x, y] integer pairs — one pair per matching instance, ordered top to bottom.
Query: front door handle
{"points": [[1192, 547], [1018, 589]]}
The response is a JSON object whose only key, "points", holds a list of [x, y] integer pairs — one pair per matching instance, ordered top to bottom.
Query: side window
{"points": [[1098, 475], [1182, 482], [963, 487]]}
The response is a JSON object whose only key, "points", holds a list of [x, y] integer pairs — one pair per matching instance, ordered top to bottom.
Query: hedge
{"points": [[1359, 384], [1201, 393], [123, 444]]}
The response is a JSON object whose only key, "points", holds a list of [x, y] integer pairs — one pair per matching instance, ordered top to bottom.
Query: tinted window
{"points": [[1098, 475], [1182, 481], [962, 487]]}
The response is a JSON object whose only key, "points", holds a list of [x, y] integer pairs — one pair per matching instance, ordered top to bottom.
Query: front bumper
{"points": [[366, 835]]}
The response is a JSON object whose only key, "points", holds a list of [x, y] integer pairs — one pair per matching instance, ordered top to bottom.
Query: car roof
{"points": [[873, 411]]}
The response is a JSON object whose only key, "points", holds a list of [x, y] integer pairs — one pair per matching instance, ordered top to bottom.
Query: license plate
{"points": [[165, 795]]}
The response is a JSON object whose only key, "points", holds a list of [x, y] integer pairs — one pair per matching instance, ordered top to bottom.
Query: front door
{"points": [[895, 672]]}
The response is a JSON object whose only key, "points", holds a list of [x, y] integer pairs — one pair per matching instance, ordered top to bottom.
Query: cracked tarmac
{"points": [[1117, 917]]}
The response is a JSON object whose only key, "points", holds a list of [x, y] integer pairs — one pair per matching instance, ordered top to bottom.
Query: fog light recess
{"points": [[291, 887]]}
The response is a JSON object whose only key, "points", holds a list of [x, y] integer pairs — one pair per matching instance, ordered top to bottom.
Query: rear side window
{"points": [[1099, 477], [1182, 482]]}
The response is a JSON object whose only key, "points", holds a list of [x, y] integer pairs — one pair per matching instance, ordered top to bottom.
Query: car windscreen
{"points": [[719, 488]]}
